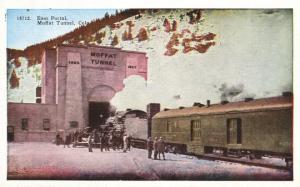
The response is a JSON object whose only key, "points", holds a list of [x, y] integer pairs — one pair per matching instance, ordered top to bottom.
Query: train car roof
{"points": [[271, 103], [139, 113]]}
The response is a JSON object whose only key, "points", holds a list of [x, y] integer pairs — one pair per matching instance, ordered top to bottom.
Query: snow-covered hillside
{"points": [[193, 56], [28, 79]]}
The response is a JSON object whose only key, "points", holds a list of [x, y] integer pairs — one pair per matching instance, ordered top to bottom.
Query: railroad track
{"points": [[245, 162]]}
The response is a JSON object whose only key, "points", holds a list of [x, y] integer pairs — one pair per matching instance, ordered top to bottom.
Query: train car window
{"points": [[175, 124], [169, 126], [195, 129], [234, 131], [239, 131]]}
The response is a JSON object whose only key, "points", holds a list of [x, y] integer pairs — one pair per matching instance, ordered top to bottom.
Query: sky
{"points": [[22, 33]]}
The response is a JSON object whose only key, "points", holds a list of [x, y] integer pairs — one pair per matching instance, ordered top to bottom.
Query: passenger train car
{"points": [[251, 127]]}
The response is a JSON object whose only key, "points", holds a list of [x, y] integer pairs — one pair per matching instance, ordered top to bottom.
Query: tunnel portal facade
{"points": [[78, 83]]}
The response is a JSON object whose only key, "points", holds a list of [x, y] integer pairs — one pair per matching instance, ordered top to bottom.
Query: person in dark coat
{"points": [[71, 134], [80, 134], [96, 137], [75, 138], [57, 139], [67, 140], [125, 140], [108, 141], [113, 141], [101, 142], [105, 142], [129, 142], [90, 143], [155, 146], [149, 147], [161, 147]]}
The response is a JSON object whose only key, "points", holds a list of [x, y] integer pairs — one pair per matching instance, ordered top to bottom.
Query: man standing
{"points": [[96, 138], [57, 139], [75, 139], [101, 139], [67, 140], [106, 140], [125, 141], [90, 142], [129, 142], [149, 147], [161, 147], [155, 148]]}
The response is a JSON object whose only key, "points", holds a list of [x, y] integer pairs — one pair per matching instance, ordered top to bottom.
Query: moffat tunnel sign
{"points": [[103, 59], [106, 60]]}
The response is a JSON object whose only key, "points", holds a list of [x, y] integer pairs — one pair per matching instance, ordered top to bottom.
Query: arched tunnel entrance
{"points": [[99, 106], [98, 113]]}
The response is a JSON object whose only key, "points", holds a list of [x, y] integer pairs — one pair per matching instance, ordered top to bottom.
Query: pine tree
{"points": [[106, 15], [167, 25], [174, 25], [143, 35], [124, 36], [115, 41], [14, 80]]}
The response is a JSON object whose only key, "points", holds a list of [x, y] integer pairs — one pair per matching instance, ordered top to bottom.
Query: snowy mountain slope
{"points": [[211, 54], [29, 79]]}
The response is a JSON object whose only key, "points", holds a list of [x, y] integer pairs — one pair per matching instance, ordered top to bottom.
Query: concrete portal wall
{"points": [[136, 64], [61, 71], [49, 76], [73, 76], [99, 76], [100, 82], [73, 107], [35, 113], [34, 136]]}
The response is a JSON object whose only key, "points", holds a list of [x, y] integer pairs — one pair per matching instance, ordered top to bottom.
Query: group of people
{"points": [[69, 138], [66, 140], [104, 140], [109, 140], [158, 145]]}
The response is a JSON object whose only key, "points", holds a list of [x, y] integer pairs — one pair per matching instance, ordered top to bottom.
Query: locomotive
{"points": [[132, 122], [111, 133]]}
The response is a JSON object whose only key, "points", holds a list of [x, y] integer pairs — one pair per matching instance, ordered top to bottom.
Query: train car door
{"points": [[196, 130], [234, 131], [10, 133]]}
